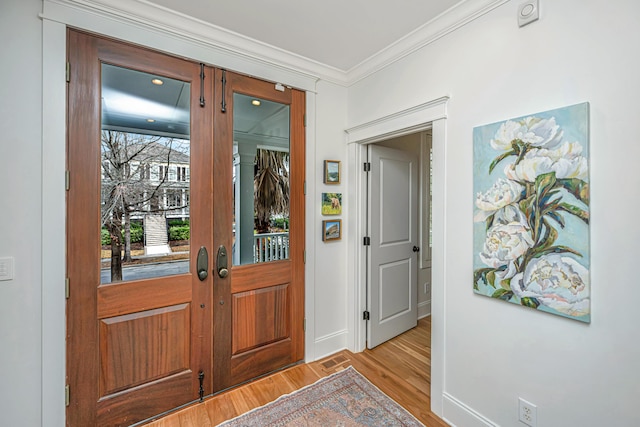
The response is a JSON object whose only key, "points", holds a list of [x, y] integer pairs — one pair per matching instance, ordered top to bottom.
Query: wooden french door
{"points": [[259, 306], [146, 339]]}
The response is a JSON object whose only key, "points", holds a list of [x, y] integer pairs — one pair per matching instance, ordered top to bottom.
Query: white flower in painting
{"points": [[533, 131], [566, 161], [503, 194], [505, 243], [556, 281]]}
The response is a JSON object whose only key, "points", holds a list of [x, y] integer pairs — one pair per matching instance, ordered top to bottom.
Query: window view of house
{"points": [[145, 175], [261, 180]]}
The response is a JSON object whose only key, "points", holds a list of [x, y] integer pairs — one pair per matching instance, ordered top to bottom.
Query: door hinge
{"points": [[68, 72], [202, 76], [223, 103], [304, 120], [367, 167], [67, 179], [304, 188], [367, 241], [304, 257], [67, 291], [366, 315], [304, 325], [201, 391], [67, 395]]}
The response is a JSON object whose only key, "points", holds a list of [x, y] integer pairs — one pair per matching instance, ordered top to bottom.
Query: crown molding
{"points": [[443, 24], [228, 47], [243, 54]]}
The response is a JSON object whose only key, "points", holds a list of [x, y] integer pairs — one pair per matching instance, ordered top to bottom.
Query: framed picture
{"points": [[332, 172], [331, 203], [331, 230]]}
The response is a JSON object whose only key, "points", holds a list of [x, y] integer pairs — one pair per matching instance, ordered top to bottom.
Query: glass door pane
{"points": [[145, 175], [261, 180]]}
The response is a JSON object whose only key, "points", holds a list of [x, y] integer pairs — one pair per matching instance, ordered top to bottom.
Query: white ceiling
{"points": [[337, 33]]}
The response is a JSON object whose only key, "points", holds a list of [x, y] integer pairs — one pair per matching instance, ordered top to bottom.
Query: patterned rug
{"points": [[344, 399]]}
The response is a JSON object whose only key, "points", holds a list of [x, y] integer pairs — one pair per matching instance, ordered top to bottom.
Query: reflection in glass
{"points": [[145, 175], [261, 180]]}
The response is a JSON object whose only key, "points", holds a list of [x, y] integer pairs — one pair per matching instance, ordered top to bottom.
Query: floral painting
{"points": [[531, 211]]}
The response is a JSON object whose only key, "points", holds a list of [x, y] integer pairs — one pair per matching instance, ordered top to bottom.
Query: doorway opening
{"points": [[399, 225]]}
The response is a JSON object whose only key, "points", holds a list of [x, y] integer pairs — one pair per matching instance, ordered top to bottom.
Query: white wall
{"points": [[21, 213], [330, 257], [577, 374]]}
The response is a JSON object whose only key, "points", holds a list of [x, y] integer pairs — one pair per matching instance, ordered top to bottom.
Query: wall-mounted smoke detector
{"points": [[528, 12]]}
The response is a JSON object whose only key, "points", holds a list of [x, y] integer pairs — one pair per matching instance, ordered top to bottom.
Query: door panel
{"points": [[393, 275], [259, 305], [135, 347]]}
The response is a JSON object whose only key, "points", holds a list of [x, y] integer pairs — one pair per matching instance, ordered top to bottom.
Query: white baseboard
{"points": [[424, 309], [330, 344], [457, 414]]}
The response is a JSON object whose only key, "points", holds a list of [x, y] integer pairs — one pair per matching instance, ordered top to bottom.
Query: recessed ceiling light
{"points": [[157, 82], [255, 102], [150, 120]]}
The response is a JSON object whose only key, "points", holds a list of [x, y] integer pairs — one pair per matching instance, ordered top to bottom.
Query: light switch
{"points": [[6, 268]]}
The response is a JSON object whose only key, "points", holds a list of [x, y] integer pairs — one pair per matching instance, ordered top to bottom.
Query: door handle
{"points": [[416, 249], [221, 262], [202, 263]]}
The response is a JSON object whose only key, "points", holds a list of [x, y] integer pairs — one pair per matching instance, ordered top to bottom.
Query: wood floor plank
{"points": [[401, 368]]}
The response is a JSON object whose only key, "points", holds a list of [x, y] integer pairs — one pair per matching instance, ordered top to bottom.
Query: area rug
{"points": [[345, 398]]}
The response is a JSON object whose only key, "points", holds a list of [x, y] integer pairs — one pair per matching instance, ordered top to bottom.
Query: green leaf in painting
{"points": [[500, 158], [545, 183], [577, 187], [574, 210], [557, 218], [489, 221], [550, 236], [557, 250], [481, 274], [491, 278], [502, 294], [530, 302]]}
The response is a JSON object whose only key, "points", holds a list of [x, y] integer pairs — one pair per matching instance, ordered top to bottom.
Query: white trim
{"points": [[447, 22], [54, 39], [244, 54], [432, 115], [410, 120], [310, 234], [438, 262], [424, 309], [331, 344], [457, 413]]}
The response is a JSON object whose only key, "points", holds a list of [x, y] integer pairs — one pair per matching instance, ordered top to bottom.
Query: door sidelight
{"points": [[221, 262]]}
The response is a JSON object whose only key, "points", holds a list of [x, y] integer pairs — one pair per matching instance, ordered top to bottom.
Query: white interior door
{"points": [[393, 263]]}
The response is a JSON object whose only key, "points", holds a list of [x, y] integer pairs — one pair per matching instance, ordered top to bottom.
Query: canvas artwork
{"points": [[531, 211]]}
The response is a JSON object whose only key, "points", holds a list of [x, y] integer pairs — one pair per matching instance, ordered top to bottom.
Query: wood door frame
{"points": [[84, 123]]}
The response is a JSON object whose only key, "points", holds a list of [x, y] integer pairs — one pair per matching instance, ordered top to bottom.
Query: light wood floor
{"points": [[400, 368]]}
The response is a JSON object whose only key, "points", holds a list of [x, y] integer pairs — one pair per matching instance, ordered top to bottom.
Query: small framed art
{"points": [[332, 172], [331, 203], [331, 230]]}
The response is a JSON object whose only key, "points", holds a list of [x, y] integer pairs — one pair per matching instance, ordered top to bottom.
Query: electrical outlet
{"points": [[6, 268], [527, 412]]}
